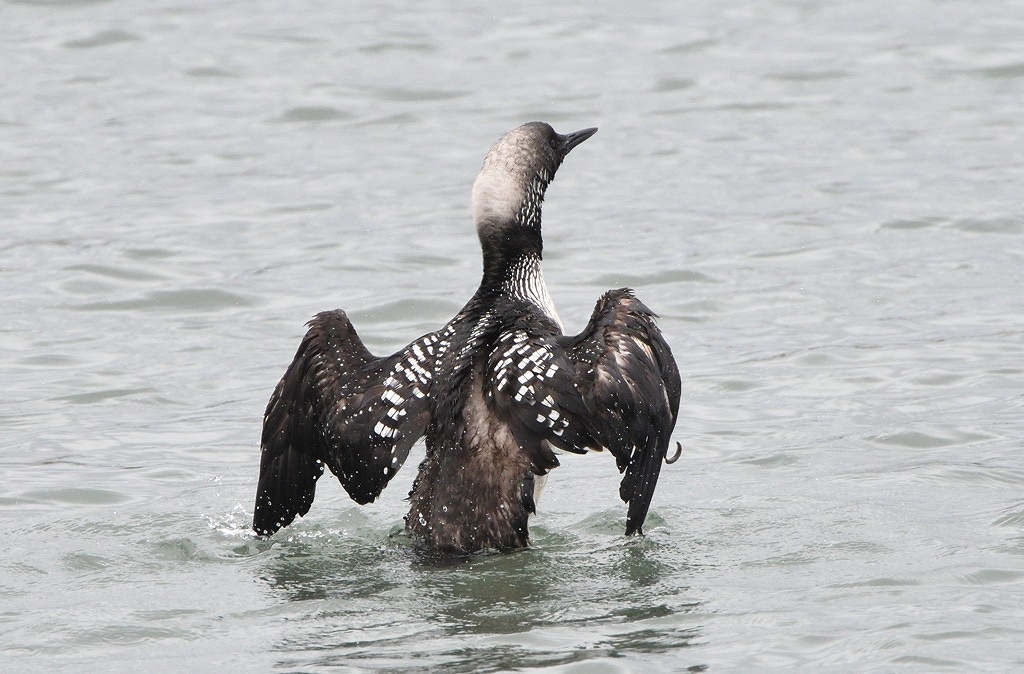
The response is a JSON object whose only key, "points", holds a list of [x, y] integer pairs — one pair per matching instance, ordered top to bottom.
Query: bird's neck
{"points": [[507, 210], [506, 247], [512, 268]]}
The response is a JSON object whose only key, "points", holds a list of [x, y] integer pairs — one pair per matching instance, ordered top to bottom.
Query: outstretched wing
{"points": [[614, 386], [339, 405]]}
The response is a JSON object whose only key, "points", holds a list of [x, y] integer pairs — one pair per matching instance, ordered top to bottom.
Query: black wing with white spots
{"points": [[614, 386], [338, 405]]}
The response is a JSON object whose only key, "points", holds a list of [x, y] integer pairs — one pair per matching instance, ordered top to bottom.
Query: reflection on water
{"points": [[485, 612]]}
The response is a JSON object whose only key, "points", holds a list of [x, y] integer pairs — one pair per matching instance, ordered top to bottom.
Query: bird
{"points": [[498, 392]]}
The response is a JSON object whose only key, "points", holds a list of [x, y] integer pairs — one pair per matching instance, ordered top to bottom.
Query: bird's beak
{"points": [[571, 140]]}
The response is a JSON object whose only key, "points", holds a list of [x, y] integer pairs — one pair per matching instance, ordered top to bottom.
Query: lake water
{"points": [[823, 200]]}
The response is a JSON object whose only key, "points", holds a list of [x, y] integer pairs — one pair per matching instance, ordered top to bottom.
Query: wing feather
{"points": [[615, 386], [337, 405]]}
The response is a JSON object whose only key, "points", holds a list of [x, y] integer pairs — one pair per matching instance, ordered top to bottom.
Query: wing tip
{"points": [[639, 484], [285, 489], [270, 516], [636, 516], [634, 528]]}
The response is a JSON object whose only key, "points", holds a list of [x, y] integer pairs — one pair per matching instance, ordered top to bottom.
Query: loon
{"points": [[497, 391]]}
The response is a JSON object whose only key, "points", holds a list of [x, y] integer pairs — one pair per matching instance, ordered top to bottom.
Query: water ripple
{"points": [[102, 39], [822, 204], [186, 300]]}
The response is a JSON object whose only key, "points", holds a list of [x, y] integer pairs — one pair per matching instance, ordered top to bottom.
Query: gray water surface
{"points": [[822, 200]]}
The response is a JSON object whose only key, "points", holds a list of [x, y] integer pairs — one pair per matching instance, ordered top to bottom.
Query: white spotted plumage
{"points": [[534, 364]]}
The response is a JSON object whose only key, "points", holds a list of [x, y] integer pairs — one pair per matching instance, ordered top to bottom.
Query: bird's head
{"points": [[509, 189]]}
